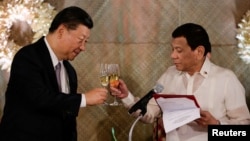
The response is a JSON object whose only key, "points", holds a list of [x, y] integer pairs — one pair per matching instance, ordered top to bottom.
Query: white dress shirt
{"points": [[216, 89]]}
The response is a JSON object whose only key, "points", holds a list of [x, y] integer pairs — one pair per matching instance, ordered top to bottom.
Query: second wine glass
{"points": [[114, 74]]}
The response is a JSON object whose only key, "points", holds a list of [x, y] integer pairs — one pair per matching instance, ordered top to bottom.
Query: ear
{"points": [[60, 31], [200, 50]]}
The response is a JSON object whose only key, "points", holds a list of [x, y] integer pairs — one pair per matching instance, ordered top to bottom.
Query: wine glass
{"points": [[114, 74], [104, 76]]}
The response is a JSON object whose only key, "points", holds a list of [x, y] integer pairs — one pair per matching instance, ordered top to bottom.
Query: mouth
{"points": [[77, 51], [175, 63]]}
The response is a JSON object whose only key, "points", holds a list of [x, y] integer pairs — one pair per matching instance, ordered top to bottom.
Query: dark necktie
{"points": [[58, 76]]}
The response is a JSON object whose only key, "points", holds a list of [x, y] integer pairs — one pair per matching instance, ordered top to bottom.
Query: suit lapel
{"points": [[46, 59], [71, 75]]}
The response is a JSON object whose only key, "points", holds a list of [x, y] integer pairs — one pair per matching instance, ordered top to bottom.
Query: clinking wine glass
{"points": [[114, 74], [104, 76], [109, 76]]}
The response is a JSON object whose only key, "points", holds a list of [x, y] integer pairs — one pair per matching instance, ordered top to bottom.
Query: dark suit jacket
{"points": [[34, 108]]}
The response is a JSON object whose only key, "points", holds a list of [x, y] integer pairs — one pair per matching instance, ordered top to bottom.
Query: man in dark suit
{"points": [[37, 107]]}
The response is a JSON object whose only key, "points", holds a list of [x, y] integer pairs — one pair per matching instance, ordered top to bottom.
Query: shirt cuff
{"points": [[130, 99], [83, 101]]}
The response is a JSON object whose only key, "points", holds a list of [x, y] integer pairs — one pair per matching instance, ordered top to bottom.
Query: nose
{"points": [[82, 47], [173, 55]]}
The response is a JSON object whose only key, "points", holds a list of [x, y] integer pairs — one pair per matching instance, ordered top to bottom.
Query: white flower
{"points": [[22, 22], [243, 36]]}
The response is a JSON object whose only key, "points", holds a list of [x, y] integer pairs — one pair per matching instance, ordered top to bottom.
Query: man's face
{"points": [[74, 41], [183, 57]]}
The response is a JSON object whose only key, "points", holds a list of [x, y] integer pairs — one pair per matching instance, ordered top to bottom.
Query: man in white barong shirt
{"points": [[218, 91]]}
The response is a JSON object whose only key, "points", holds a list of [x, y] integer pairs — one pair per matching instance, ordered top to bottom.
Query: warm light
{"points": [[22, 22], [243, 37]]}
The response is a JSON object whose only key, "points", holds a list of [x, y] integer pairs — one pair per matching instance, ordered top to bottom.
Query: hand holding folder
{"points": [[177, 110]]}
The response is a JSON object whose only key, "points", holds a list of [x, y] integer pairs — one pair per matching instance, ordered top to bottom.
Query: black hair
{"points": [[71, 17], [195, 35]]}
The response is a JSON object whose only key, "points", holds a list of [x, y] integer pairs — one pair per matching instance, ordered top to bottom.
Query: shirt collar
{"points": [[55, 60], [205, 69]]}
